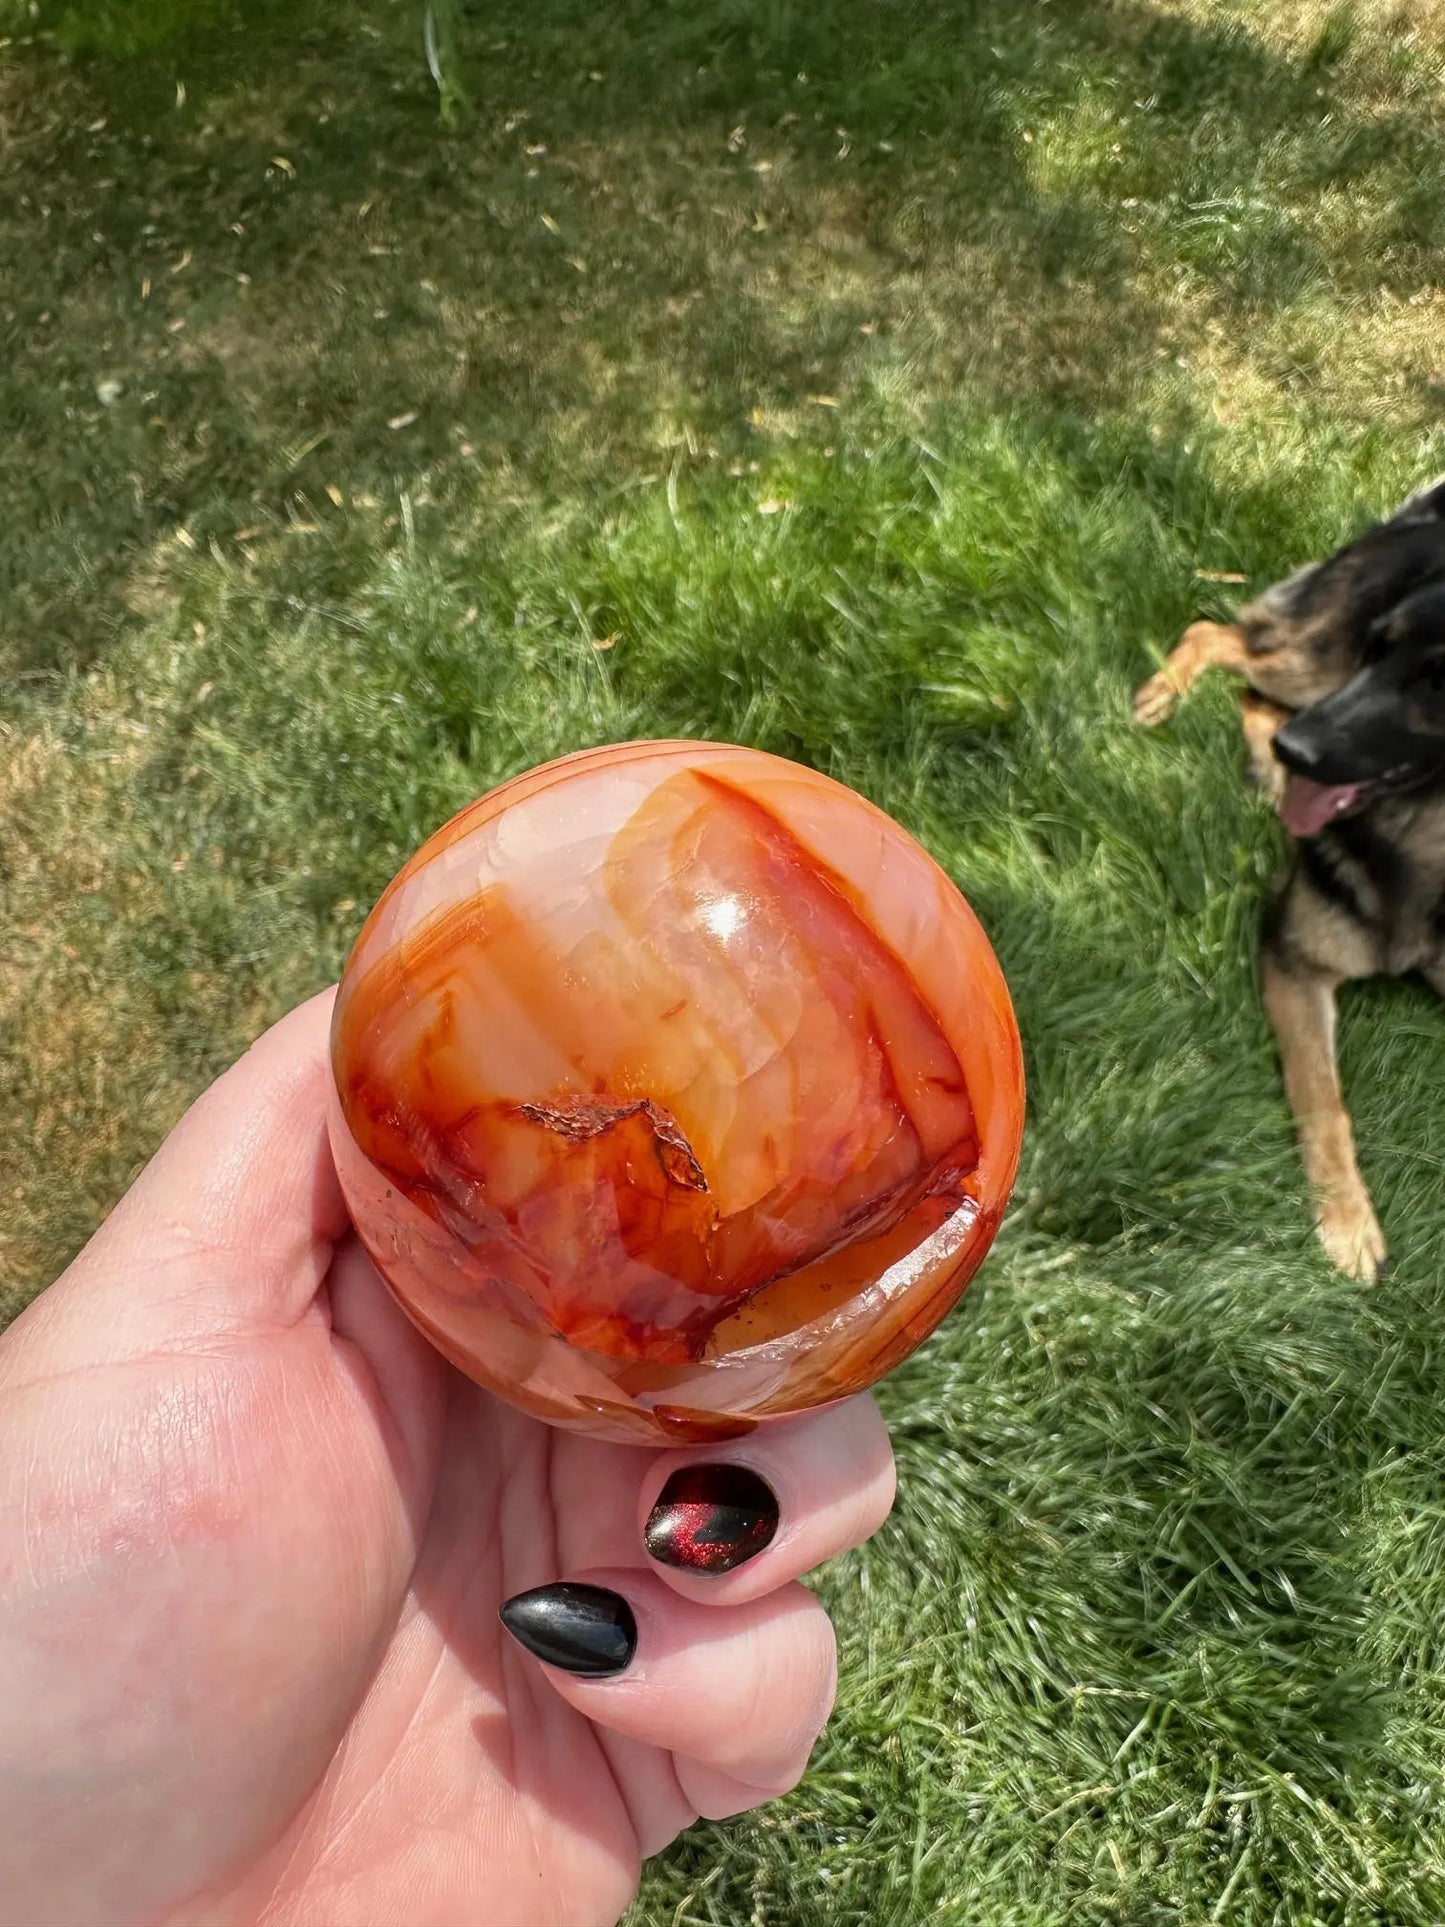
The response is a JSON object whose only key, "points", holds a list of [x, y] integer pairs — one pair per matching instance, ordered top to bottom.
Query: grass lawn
{"points": [[885, 384]]}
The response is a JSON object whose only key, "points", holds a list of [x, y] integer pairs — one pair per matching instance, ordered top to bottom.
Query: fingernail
{"points": [[711, 1518], [586, 1630]]}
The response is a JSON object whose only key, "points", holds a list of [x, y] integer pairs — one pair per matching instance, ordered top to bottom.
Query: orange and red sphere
{"points": [[677, 1089]]}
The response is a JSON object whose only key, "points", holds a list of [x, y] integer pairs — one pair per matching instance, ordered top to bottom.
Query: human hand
{"points": [[254, 1538]]}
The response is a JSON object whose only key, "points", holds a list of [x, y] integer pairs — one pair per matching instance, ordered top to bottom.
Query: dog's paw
{"points": [[1155, 702], [1351, 1236]]}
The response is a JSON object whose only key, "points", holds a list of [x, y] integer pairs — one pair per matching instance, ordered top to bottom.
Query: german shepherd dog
{"points": [[1344, 726]]}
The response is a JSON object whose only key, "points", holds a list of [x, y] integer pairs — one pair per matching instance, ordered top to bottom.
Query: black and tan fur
{"points": [[1344, 666]]}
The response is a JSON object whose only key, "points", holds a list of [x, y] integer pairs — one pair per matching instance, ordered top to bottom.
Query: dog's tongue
{"points": [[1308, 807]]}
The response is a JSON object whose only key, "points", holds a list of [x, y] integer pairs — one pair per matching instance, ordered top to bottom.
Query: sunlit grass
{"points": [[885, 387]]}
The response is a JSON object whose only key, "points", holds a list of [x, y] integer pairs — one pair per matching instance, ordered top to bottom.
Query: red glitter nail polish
{"points": [[711, 1518]]}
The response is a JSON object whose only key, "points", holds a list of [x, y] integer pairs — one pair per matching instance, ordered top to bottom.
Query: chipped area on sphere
{"points": [[675, 1077]]}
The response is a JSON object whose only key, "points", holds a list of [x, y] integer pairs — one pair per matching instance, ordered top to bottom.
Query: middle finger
{"points": [[726, 1524]]}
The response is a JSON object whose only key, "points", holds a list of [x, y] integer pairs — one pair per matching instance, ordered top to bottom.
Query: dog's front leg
{"points": [[1204, 645], [1261, 720], [1300, 1002]]}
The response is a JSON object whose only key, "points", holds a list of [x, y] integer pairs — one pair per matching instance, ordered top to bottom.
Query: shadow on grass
{"points": [[246, 267]]}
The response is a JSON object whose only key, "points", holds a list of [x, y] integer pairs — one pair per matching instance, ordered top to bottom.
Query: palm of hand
{"points": [[254, 1534], [322, 1717]]}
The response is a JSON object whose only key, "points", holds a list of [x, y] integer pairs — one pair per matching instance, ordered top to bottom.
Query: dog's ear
{"points": [[1425, 505], [1417, 618], [1384, 634]]}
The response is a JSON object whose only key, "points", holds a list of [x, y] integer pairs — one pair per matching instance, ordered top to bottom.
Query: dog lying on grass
{"points": [[1344, 724]]}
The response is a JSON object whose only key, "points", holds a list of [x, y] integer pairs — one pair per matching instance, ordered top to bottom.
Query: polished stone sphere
{"points": [[677, 1089]]}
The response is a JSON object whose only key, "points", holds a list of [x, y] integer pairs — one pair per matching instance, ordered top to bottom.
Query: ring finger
{"points": [[737, 1696]]}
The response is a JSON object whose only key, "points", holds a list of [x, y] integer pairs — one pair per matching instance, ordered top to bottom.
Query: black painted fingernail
{"points": [[711, 1518], [586, 1630]]}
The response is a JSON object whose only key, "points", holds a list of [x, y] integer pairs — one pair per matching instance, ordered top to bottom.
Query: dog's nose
{"points": [[1298, 747]]}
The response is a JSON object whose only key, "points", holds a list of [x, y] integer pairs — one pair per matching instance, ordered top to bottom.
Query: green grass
{"points": [[874, 381]]}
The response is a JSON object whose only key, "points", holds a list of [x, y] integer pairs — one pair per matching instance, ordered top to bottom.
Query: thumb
{"points": [[230, 1227]]}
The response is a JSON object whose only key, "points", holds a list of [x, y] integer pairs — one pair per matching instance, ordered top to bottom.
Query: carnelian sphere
{"points": [[677, 1089]]}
